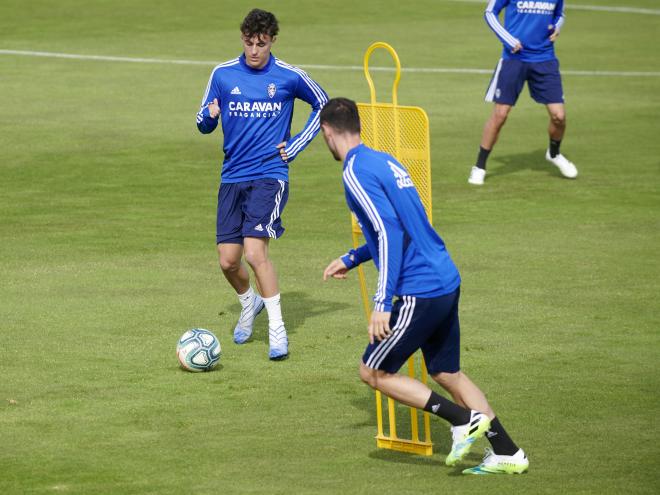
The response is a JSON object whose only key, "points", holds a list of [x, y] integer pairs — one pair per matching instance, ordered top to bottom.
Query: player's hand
{"points": [[554, 34], [517, 48], [214, 108], [282, 148], [336, 269], [379, 326]]}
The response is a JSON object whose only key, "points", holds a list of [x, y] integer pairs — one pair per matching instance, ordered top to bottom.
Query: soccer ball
{"points": [[198, 350]]}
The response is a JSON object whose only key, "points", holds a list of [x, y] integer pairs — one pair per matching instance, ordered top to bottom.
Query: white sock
{"points": [[246, 299], [274, 311]]}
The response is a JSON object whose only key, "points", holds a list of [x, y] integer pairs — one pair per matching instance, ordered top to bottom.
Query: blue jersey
{"points": [[529, 23], [256, 107], [410, 255]]}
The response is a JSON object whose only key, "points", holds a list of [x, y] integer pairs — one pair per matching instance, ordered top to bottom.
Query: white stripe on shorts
{"points": [[493, 84], [276, 211], [402, 323]]}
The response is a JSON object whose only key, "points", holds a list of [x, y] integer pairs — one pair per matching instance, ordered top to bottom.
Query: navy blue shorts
{"points": [[543, 80], [250, 209], [416, 323]]}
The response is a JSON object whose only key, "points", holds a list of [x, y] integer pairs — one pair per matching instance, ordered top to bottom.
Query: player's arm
{"points": [[491, 14], [558, 20], [307, 90], [209, 111], [367, 191], [356, 257], [338, 268]]}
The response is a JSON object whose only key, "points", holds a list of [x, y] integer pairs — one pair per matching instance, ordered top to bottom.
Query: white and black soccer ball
{"points": [[198, 350]]}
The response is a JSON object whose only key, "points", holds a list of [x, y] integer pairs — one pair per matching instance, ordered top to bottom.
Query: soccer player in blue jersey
{"points": [[528, 35], [253, 96], [413, 266]]}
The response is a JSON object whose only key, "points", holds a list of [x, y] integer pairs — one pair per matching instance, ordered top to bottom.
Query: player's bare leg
{"points": [[494, 125], [557, 125], [556, 130], [489, 137], [256, 254], [232, 268], [237, 275], [400, 387], [464, 392]]}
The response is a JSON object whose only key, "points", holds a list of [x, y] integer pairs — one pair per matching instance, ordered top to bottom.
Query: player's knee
{"points": [[499, 116], [558, 118], [255, 257], [228, 264], [368, 375], [448, 381]]}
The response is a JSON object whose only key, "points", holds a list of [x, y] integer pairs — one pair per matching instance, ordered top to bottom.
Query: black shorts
{"points": [[417, 323]]}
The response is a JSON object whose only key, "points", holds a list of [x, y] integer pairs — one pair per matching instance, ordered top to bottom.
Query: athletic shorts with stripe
{"points": [[542, 78], [250, 209], [429, 324]]}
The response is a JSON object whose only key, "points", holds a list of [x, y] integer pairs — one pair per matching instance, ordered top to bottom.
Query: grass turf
{"points": [[107, 218]]}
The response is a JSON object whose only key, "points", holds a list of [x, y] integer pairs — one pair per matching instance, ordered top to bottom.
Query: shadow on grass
{"points": [[533, 160], [297, 306]]}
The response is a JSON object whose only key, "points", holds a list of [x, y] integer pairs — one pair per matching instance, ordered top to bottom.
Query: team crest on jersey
{"points": [[271, 90]]}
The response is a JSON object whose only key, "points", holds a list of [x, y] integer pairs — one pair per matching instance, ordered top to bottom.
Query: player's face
{"points": [[257, 49], [329, 137]]}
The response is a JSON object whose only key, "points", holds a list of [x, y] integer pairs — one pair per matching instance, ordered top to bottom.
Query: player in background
{"points": [[528, 35], [253, 96], [413, 265]]}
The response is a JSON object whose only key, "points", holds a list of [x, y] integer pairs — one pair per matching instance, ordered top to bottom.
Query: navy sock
{"points": [[554, 147], [482, 157], [447, 410], [500, 439]]}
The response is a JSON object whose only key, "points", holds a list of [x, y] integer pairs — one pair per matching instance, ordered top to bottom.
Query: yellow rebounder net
{"points": [[404, 133]]}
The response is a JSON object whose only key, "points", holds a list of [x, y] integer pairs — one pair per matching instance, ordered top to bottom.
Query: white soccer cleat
{"points": [[566, 167], [477, 176], [243, 329], [278, 342], [464, 436], [501, 464]]}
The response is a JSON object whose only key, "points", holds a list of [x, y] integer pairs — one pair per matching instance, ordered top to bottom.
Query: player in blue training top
{"points": [[528, 35], [253, 95], [413, 266]]}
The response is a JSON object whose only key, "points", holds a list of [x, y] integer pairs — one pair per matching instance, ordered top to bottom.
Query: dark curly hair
{"points": [[259, 22]]}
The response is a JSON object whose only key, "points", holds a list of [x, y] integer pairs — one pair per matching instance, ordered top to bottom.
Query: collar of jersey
{"points": [[263, 70], [353, 151]]}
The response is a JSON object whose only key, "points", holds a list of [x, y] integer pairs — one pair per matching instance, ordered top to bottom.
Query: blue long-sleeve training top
{"points": [[529, 23], [256, 107], [410, 255]]}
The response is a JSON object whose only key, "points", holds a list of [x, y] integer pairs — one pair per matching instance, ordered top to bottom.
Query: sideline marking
{"points": [[429, 70]]}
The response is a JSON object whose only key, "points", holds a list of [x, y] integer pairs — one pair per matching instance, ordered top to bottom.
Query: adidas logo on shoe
{"points": [[236, 91]]}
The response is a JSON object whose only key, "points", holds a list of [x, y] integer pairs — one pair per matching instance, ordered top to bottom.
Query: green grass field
{"points": [[107, 255]]}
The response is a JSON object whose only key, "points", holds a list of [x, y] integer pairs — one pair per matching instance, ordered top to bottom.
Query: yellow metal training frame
{"points": [[404, 133]]}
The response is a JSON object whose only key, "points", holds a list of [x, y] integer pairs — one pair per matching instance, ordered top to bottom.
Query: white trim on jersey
{"points": [[560, 22], [495, 25], [229, 63], [493, 83], [314, 125], [305, 137], [365, 202], [276, 211], [402, 323]]}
